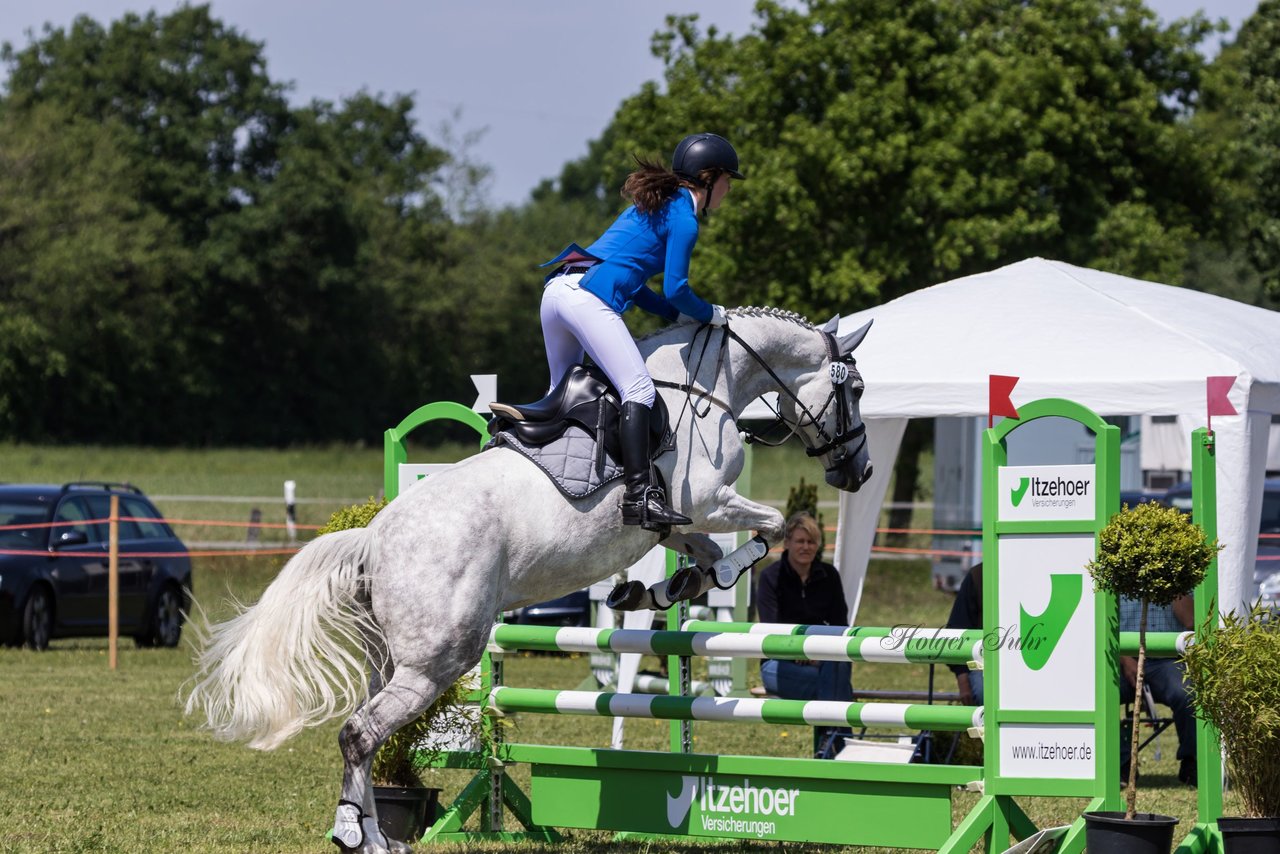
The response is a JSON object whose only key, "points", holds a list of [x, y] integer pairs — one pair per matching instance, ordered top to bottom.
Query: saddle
{"points": [[583, 407]]}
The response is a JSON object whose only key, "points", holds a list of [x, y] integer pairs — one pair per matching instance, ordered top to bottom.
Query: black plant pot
{"points": [[405, 814], [1111, 833], [1250, 835]]}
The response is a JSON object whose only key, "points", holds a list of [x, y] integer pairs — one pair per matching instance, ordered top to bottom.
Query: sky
{"points": [[535, 79]]}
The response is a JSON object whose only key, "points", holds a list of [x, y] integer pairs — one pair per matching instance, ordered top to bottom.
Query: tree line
{"points": [[187, 258]]}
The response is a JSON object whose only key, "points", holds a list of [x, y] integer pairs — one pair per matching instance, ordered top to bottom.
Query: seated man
{"points": [[799, 588], [966, 613], [1164, 677]]}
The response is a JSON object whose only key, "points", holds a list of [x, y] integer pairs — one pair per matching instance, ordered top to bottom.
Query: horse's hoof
{"points": [[631, 596], [395, 846]]}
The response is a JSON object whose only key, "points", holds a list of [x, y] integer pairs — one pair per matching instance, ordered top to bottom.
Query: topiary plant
{"points": [[803, 498], [1153, 554], [1234, 680]]}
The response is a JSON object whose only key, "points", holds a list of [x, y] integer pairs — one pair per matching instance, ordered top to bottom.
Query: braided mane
{"points": [[752, 311], [769, 311]]}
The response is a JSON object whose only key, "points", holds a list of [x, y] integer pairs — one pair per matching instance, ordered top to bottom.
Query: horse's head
{"points": [[825, 411]]}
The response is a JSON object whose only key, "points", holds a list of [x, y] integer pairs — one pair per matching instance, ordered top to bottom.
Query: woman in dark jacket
{"points": [[799, 588]]}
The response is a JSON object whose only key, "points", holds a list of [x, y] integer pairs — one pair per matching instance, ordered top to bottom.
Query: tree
{"points": [[1244, 108], [201, 112], [893, 145], [289, 246], [86, 319]]}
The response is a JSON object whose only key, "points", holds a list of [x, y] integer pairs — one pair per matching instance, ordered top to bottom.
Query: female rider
{"points": [[585, 296]]}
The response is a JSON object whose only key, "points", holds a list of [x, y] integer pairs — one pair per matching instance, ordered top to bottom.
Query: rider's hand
{"points": [[718, 316]]}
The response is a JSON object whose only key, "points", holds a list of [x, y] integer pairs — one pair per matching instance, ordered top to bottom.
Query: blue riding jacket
{"points": [[638, 246]]}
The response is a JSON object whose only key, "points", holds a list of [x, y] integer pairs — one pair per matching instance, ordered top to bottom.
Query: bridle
{"points": [[842, 370]]}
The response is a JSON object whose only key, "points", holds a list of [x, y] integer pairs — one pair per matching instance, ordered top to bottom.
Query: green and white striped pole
{"points": [[1159, 644], [890, 649], [736, 709]]}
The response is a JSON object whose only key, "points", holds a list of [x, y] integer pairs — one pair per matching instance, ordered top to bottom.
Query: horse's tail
{"points": [[288, 661]]}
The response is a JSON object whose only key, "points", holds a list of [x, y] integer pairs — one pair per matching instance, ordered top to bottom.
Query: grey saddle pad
{"points": [[573, 462]]}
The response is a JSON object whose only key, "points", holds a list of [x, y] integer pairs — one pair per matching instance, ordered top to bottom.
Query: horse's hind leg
{"points": [[405, 696]]}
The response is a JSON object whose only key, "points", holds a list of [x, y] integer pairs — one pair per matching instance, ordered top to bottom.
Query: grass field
{"points": [[96, 761]]}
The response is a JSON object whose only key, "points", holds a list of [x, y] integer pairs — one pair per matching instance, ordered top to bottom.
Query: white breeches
{"points": [[575, 321]]}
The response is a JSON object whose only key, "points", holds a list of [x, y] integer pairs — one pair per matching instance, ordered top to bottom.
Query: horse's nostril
{"points": [[866, 472]]}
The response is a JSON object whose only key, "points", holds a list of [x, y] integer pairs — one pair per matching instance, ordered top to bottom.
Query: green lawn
{"points": [[97, 761]]}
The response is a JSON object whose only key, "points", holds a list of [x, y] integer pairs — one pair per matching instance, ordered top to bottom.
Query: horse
{"points": [[418, 590]]}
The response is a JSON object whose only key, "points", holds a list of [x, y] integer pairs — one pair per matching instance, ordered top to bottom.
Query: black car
{"points": [[1266, 573], [54, 579], [572, 609]]}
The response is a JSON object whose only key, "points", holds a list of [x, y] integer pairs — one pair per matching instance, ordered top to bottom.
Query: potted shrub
{"points": [[1152, 554], [1234, 680], [406, 805]]}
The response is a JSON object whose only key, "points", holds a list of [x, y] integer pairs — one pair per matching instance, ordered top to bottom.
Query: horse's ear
{"points": [[831, 325], [850, 342]]}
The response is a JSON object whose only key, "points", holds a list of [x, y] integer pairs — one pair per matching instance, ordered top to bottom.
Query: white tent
{"points": [[1119, 346]]}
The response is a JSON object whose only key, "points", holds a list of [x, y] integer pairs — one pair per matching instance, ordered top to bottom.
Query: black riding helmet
{"points": [[701, 151]]}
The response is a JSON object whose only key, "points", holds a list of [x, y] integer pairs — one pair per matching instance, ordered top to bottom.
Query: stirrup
{"points": [[651, 512]]}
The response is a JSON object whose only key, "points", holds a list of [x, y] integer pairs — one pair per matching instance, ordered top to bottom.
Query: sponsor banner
{"points": [[1047, 493], [1046, 613], [1047, 752], [849, 812]]}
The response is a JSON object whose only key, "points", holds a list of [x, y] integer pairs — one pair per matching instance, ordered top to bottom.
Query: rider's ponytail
{"points": [[649, 187]]}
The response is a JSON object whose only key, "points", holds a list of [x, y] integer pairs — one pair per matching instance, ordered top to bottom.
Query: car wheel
{"points": [[37, 619], [164, 626]]}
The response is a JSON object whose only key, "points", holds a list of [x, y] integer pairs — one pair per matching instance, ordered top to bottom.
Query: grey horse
{"points": [[419, 589]]}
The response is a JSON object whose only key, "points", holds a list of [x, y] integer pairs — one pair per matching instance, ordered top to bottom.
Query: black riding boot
{"points": [[643, 503]]}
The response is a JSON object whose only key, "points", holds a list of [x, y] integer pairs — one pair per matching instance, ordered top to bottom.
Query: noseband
{"points": [[842, 369]]}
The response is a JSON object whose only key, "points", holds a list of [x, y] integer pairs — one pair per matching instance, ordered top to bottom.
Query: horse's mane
{"points": [[752, 311]]}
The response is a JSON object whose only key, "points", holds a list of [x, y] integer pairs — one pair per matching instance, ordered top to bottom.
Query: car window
{"points": [[79, 510], [142, 510], [22, 513], [1270, 513]]}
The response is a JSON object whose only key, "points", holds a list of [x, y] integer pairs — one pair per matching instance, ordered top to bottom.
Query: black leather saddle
{"points": [[585, 397]]}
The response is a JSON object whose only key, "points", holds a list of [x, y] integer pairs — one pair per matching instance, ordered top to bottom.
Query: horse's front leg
{"points": [[730, 512], [700, 547], [635, 596]]}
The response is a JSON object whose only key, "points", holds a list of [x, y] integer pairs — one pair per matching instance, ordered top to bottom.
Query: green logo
{"points": [[1015, 495], [1064, 597]]}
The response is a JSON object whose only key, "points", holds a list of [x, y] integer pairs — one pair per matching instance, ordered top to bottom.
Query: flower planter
{"points": [[405, 814], [1111, 833], [1250, 835]]}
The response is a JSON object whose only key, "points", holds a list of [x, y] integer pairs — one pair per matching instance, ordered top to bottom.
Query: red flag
{"points": [[1216, 391], [998, 400]]}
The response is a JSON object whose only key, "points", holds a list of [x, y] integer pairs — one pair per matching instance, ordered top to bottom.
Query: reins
{"points": [[840, 367]]}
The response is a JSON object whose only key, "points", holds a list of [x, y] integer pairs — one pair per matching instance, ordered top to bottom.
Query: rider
{"points": [[589, 289]]}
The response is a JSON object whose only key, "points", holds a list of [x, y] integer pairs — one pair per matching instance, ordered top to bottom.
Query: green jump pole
{"points": [[1159, 644], [890, 650], [736, 709]]}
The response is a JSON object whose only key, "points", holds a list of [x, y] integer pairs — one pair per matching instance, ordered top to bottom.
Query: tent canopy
{"points": [[1117, 345]]}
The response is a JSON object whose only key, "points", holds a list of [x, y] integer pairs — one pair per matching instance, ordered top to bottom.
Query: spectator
{"points": [[800, 588], [966, 613], [1163, 676]]}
